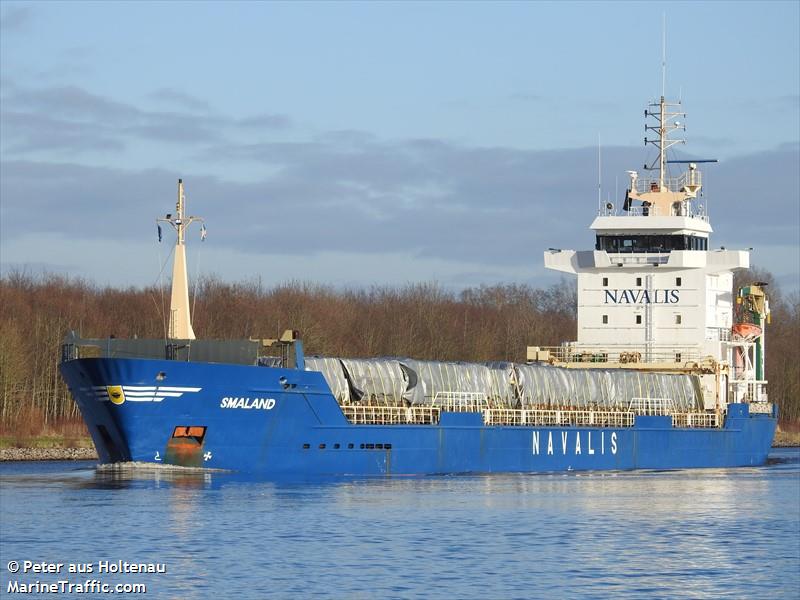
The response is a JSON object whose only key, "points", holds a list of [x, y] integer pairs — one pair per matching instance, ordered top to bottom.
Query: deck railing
{"points": [[624, 353], [752, 391], [460, 401], [652, 406], [762, 408], [391, 415], [430, 415], [557, 418], [696, 420]]}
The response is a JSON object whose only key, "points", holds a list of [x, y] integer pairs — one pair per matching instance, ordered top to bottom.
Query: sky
{"points": [[360, 144]]}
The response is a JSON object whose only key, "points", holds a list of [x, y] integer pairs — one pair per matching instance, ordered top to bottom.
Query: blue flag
{"points": [[159, 233]]}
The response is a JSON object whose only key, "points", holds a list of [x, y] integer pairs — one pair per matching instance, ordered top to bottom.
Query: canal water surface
{"points": [[690, 534]]}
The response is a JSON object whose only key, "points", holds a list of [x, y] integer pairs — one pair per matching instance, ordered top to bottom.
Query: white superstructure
{"points": [[653, 293]]}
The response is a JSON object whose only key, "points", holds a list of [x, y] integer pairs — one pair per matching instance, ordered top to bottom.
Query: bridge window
{"points": [[649, 243], [605, 281], [638, 282], [677, 282], [605, 319], [638, 319], [677, 319]]}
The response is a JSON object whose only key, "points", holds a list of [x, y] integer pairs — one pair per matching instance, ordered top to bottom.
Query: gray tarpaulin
{"points": [[331, 369], [377, 381], [398, 382], [464, 383], [544, 385]]}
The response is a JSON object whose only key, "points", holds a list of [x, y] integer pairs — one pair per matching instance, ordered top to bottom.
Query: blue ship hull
{"points": [[286, 423]]}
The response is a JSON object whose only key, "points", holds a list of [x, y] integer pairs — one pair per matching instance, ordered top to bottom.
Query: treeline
{"points": [[424, 321]]}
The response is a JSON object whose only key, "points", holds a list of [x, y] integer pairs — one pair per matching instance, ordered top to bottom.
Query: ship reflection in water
{"points": [[697, 533]]}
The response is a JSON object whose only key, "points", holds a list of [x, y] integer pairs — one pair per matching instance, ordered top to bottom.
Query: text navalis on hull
{"points": [[667, 372]]}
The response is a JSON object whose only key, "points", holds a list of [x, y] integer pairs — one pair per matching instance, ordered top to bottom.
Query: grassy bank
{"points": [[786, 439], [45, 441], [47, 446]]}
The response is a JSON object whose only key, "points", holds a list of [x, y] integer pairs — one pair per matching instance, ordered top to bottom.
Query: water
{"points": [[703, 533]]}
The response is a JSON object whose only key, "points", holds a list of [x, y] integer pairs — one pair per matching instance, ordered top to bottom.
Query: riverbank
{"points": [[786, 439], [46, 447], [9, 454]]}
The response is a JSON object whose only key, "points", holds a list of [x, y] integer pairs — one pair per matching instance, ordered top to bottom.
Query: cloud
{"points": [[15, 19], [181, 99], [71, 101], [41, 120], [265, 121], [25, 132], [713, 141], [753, 199], [485, 206], [482, 210]]}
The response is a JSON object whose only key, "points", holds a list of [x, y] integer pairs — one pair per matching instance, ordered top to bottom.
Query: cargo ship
{"points": [[667, 371]]}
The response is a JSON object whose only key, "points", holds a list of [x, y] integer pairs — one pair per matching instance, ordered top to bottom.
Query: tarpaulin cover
{"points": [[332, 371], [377, 381], [399, 382], [466, 383], [544, 385]]}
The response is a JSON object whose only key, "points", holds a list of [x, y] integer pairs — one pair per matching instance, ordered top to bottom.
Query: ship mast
{"points": [[662, 128], [662, 195], [180, 321]]}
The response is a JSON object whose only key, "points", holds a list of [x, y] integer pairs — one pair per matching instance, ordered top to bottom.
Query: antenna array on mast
{"points": [[662, 128]]}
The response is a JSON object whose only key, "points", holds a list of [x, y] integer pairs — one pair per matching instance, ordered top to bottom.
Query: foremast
{"points": [[180, 320]]}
